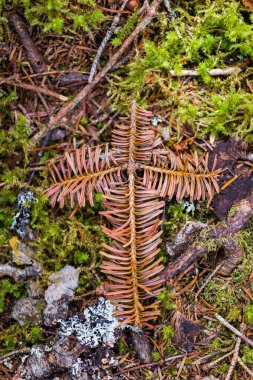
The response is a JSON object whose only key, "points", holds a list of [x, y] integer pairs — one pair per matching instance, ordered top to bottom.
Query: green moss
{"points": [[55, 15], [125, 30], [212, 34], [176, 219], [62, 241], [243, 271], [8, 290], [221, 295], [167, 300], [248, 314], [168, 332], [35, 335], [16, 337], [122, 347], [156, 356], [247, 356], [223, 368]]}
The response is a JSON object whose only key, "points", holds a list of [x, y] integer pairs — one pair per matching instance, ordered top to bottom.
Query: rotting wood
{"points": [[242, 213]]}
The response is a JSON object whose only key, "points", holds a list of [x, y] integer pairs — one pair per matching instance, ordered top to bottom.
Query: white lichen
{"points": [[155, 120], [187, 206], [22, 218], [97, 326], [36, 350], [77, 368]]}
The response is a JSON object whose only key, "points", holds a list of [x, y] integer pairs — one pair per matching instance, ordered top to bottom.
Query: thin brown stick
{"points": [[32, 52], [30, 87], [55, 120], [234, 330], [137, 367]]}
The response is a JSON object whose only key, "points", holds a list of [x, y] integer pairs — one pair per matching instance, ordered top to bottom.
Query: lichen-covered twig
{"points": [[172, 16], [104, 42], [213, 72], [55, 120], [242, 213]]}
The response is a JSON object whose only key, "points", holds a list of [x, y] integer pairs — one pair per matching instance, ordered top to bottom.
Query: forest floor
{"points": [[69, 73]]}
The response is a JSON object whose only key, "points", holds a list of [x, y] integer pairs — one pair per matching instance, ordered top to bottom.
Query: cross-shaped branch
{"points": [[133, 176]]}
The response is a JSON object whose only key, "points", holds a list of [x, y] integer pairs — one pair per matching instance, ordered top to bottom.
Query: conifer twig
{"points": [[104, 42], [54, 121]]}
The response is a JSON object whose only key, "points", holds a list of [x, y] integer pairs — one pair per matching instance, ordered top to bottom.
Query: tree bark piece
{"points": [[32, 52], [242, 213], [17, 274], [141, 346]]}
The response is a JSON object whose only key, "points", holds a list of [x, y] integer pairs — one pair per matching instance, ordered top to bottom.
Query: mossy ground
{"points": [[214, 34]]}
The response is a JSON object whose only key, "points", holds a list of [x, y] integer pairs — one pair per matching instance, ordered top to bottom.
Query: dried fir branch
{"points": [[133, 176]]}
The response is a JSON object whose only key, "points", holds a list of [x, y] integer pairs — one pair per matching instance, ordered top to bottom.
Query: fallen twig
{"points": [[172, 16], [104, 42], [32, 53], [214, 72], [30, 87], [55, 120], [234, 223], [207, 281], [234, 330], [14, 353], [235, 355], [215, 362], [141, 366], [246, 369]]}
